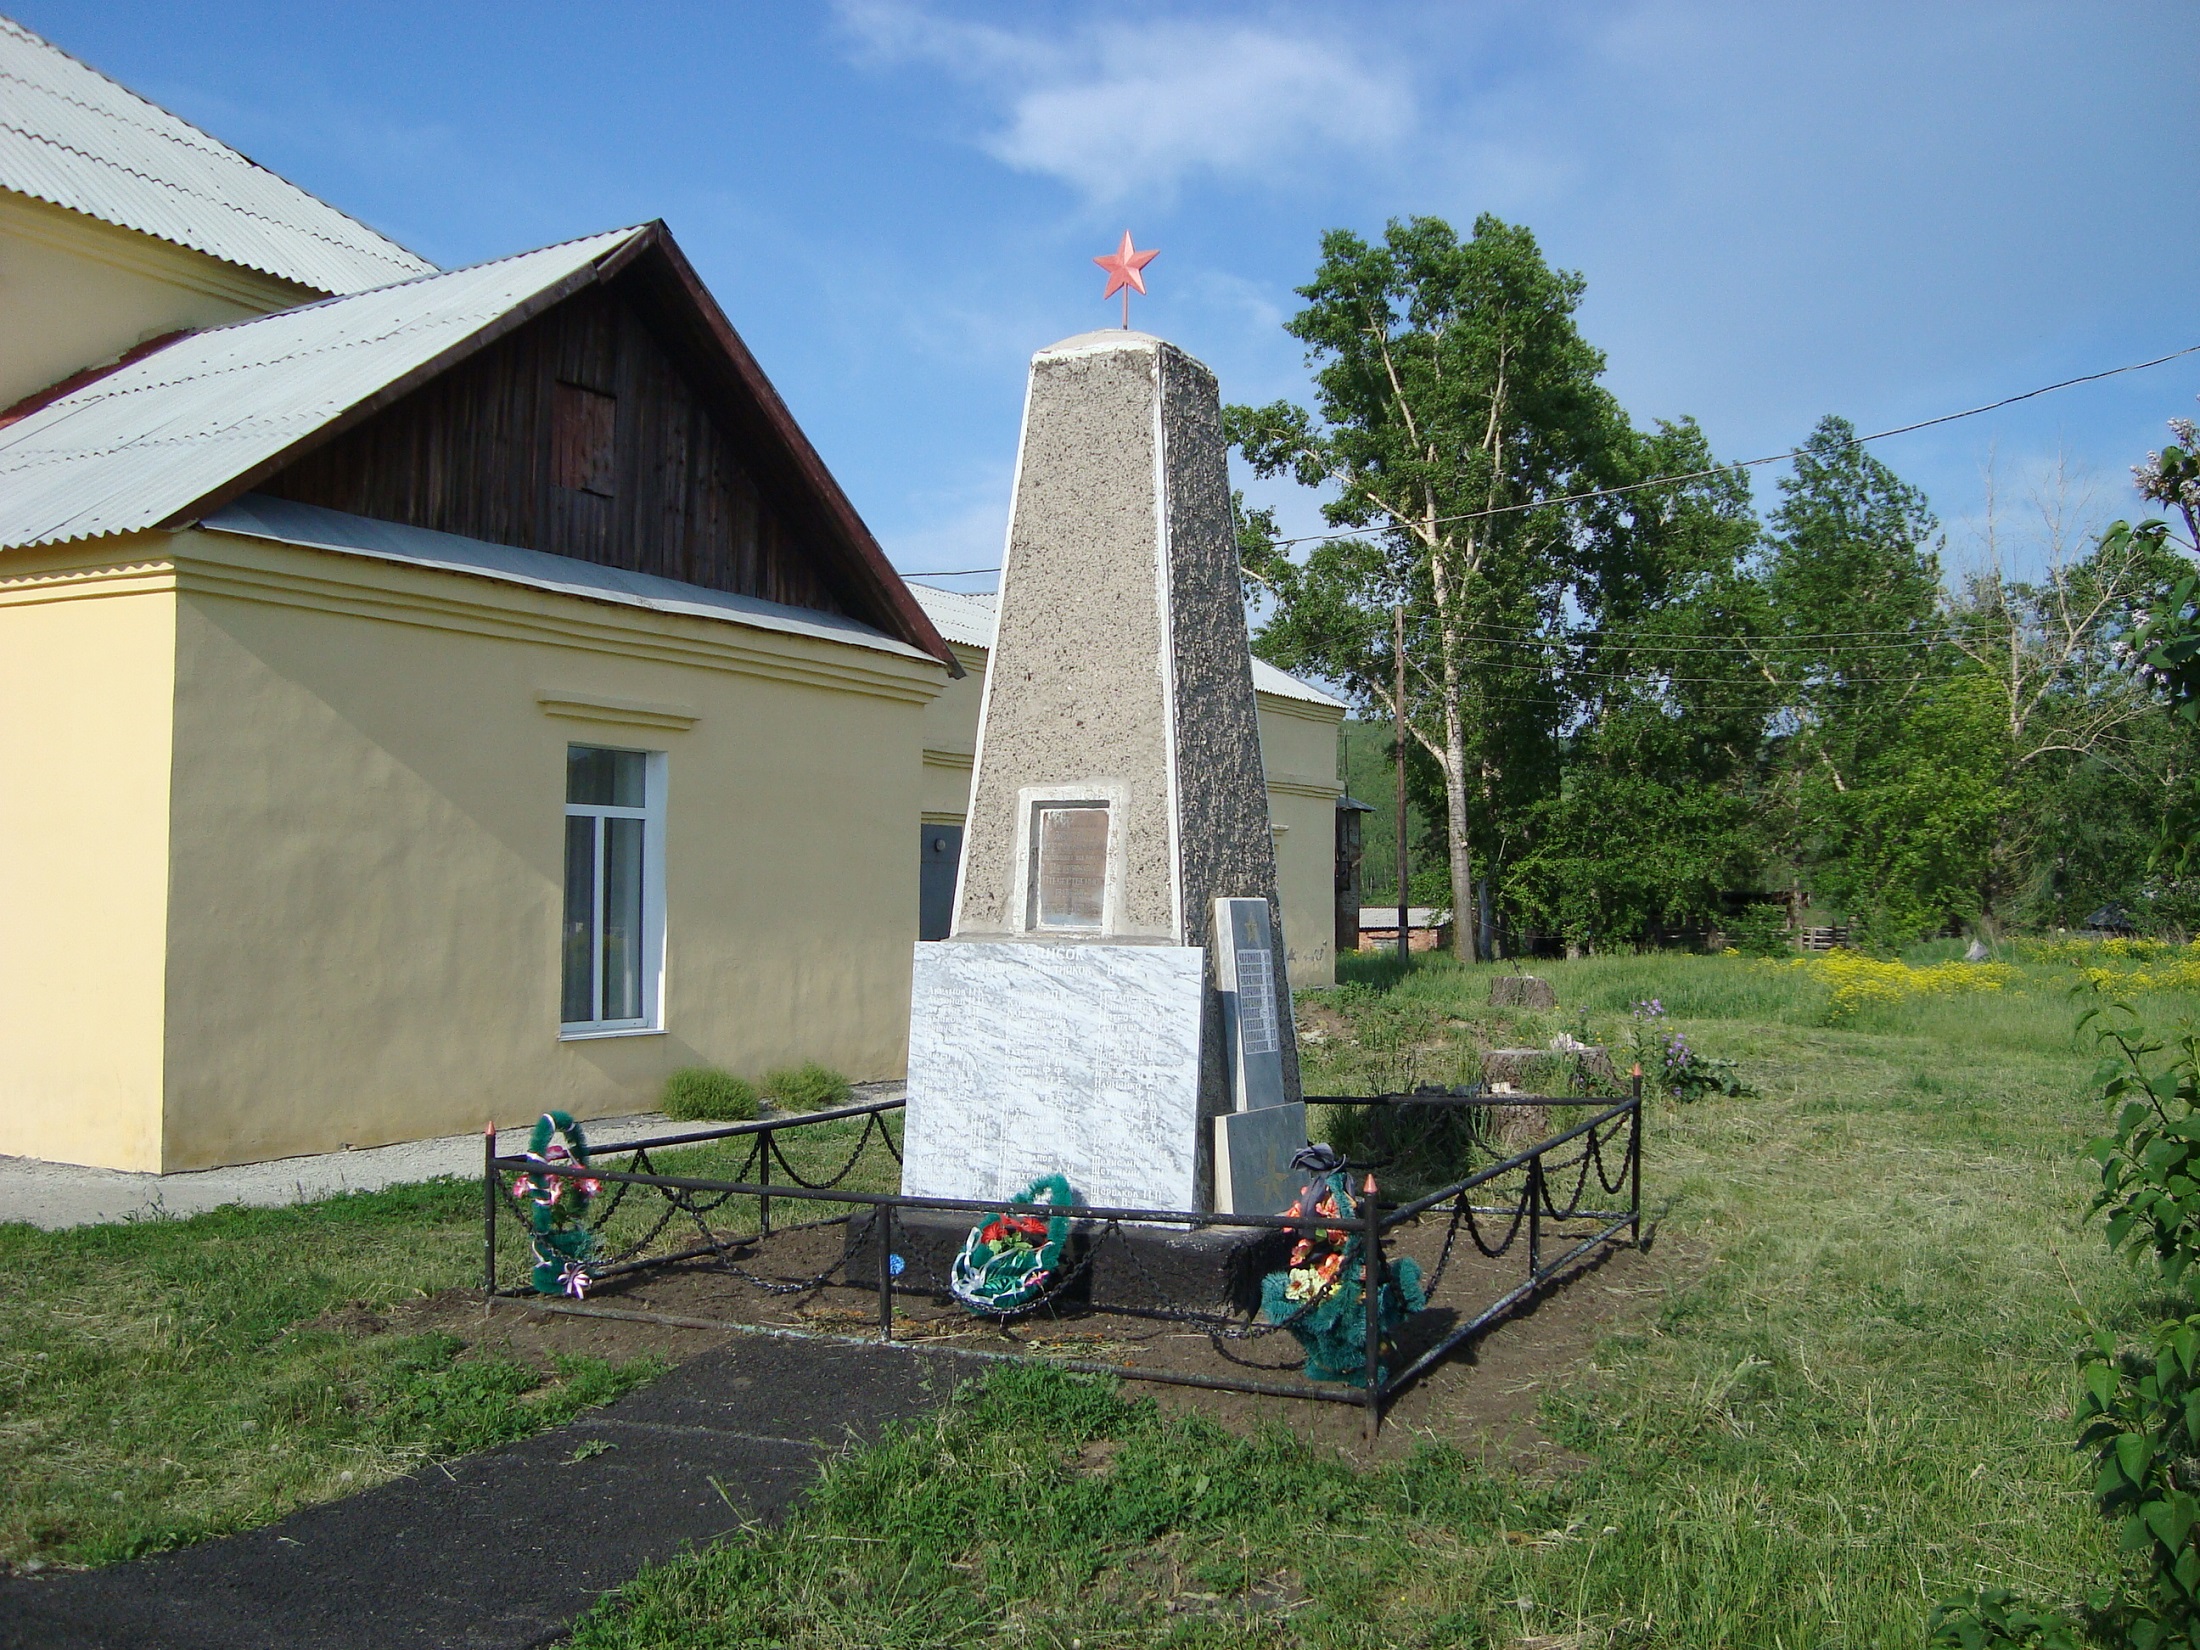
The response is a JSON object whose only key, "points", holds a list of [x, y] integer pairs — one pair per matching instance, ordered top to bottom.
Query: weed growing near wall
{"points": [[808, 1087], [705, 1094]]}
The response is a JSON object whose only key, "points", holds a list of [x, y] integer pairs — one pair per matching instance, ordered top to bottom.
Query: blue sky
{"points": [[1883, 210]]}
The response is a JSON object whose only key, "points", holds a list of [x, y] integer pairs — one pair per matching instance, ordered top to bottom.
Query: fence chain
{"points": [[838, 1175], [1225, 1330]]}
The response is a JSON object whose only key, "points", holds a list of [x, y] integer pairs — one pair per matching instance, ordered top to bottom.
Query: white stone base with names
{"points": [[1034, 1059]]}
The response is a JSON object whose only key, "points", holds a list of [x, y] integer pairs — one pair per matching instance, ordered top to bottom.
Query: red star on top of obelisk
{"points": [[1123, 266]]}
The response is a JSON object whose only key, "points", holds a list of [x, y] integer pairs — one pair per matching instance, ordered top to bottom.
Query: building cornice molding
{"points": [[64, 229], [210, 563], [35, 581], [1304, 709], [635, 713], [1324, 790]]}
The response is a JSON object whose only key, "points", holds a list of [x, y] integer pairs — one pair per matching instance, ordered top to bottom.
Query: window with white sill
{"points": [[612, 950]]}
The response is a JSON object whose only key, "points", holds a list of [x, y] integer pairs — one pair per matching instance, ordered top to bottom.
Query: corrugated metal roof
{"points": [[71, 136], [150, 439], [288, 522], [962, 616], [966, 617], [1268, 679]]}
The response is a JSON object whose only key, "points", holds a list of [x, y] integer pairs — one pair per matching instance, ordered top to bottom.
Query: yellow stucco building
{"points": [[121, 226], [381, 673]]}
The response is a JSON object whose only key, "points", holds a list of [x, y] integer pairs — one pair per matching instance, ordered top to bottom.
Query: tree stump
{"points": [[1522, 991], [1515, 1069], [1546, 1070]]}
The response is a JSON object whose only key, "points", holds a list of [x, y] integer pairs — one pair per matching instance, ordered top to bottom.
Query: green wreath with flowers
{"points": [[557, 1188], [1006, 1263], [1319, 1295]]}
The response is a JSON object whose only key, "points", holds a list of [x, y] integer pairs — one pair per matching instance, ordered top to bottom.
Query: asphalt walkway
{"points": [[503, 1550]]}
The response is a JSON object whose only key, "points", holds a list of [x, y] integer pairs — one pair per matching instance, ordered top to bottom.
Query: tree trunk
{"points": [[1457, 836]]}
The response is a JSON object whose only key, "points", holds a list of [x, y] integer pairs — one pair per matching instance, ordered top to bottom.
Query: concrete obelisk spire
{"points": [[1121, 654], [1118, 795]]}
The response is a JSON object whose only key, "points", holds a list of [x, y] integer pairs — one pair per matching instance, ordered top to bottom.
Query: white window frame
{"points": [[652, 815]]}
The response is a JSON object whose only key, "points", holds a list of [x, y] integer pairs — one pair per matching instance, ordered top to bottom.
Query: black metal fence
{"points": [[1561, 1198]]}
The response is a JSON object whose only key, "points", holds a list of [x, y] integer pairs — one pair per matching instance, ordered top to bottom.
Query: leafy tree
{"points": [[1456, 398], [1851, 582], [2169, 643], [1624, 699], [2071, 715], [1652, 820], [1917, 825], [2094, 831], [1623, 854]]}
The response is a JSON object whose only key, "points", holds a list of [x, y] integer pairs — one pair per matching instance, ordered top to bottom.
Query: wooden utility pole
{"points": [[1398, 734]]}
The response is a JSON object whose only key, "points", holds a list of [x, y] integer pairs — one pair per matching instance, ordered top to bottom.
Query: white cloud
{"points": [[1127, 108]]}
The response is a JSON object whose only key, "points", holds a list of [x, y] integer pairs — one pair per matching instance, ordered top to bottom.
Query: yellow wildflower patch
{"points": [[2090, 954], [2163, 965], [2178, 974], [1857, 979]]}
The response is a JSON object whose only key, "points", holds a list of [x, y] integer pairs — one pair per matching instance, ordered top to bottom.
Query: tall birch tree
{"points": [[1455, 396]]}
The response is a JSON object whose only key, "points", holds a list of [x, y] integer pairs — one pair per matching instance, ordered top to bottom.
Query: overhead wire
{"points": [[1752, 463], [1690, 475], [1791, 642], [1567, 672]]}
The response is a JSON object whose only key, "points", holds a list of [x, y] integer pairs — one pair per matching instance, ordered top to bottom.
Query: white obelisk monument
{"points": [[1112, 1003]]}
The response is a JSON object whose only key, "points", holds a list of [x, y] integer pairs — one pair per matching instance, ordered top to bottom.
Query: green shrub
{"points": [[1760, 930], [808, 1087], [705, 1094], [1416, 1148], [1998, 1618]]}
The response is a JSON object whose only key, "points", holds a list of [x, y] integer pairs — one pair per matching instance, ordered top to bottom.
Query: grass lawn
{"points": [[166, 1380], [1854, 1402]]}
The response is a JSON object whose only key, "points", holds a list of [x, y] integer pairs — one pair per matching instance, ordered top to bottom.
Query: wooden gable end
{"points": [[579, 434]]}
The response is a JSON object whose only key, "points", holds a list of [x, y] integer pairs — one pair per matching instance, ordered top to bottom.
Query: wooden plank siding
{"points": [[473, 452]]}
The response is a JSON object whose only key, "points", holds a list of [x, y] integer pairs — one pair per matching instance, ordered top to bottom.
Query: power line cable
{"points": [[1751, 463], [1694, 475], [1830, 641], [1651, 675]]}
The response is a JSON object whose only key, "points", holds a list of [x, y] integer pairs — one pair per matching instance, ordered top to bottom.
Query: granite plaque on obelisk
{"points": [[1090, 1013]]}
